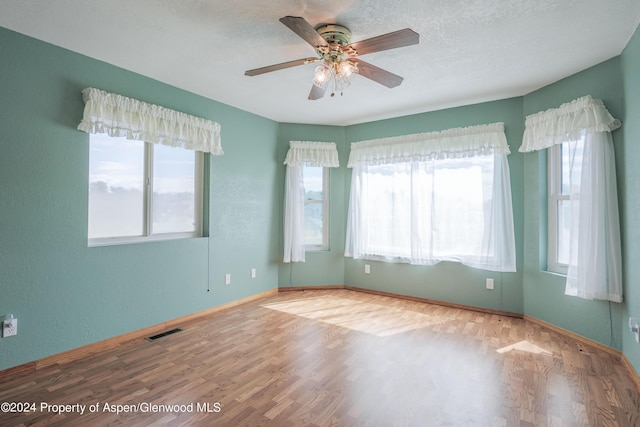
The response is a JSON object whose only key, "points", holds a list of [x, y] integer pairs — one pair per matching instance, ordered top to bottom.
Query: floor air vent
{"points": [[163, 334]]}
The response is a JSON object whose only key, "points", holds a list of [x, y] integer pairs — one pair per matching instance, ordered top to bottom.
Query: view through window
{"points": [[564, 166], [139, 190], [316, 207]]}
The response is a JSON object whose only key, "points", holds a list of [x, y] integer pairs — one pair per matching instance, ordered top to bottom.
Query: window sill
{"points": [[118, 241], [555, 273]]}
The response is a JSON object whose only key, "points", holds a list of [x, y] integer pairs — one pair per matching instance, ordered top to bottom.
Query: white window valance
{"points": [[120, 116], [567, 122], [451, 143], [311, 153]]}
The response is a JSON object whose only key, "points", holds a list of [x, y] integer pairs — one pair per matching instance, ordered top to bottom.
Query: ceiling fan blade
{"points": [[301, 27], [400, 38], [280, 66], [377, 74], [316, 92]]}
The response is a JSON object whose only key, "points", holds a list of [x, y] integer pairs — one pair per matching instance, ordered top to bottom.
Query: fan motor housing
{"points": [[335, 34]]}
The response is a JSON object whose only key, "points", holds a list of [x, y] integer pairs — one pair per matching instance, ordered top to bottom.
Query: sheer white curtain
{"points": [[117, 115], [301, 154], [431, 197], [595, 268]]}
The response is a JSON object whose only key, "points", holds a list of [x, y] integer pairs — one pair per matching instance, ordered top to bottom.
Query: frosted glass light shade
{"points": [[321, 75]]}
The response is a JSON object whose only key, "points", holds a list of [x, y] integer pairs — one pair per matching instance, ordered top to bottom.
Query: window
{"points": [[564, 167], [140, 191], [446, 194], [306, 198], [426, 198], [442, 206], [316, 208], [583, 219]]}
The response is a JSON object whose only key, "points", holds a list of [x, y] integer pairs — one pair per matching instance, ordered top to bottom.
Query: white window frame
{"points": [[555, 196], [400, 227], [147, 228], [324, 246], [494, 250]]}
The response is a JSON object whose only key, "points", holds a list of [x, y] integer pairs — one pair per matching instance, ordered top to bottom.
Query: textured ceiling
{"points": [[470, 50]]}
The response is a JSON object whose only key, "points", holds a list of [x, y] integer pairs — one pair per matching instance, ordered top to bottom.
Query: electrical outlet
{"points": [[367, 269], [253, 273], [227, 279], [489, 283], [9, 326], [634, 327]]}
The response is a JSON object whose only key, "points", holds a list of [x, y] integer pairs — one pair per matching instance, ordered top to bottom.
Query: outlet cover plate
{"points": [[9, 328]]}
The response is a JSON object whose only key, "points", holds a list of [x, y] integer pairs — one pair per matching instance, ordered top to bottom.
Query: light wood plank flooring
{"points": [[336, 358]]}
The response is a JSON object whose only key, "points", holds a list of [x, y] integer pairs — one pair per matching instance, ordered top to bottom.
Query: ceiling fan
{"points": [[340, 57]]}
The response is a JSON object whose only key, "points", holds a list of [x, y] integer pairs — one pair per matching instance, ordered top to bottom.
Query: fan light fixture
{"points": [[338, 55], [336, 68], [337, 72]]}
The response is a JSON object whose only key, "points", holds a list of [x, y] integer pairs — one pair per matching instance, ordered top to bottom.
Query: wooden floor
{"points": [[339, 357]]}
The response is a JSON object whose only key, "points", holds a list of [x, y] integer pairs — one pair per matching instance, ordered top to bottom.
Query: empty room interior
{"points": [[320, 213]]}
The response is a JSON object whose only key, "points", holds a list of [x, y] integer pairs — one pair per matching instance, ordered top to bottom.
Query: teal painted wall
{"points": [[628, 157], [320, 267], [446, 281], [544, 292], [66, 294]]}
